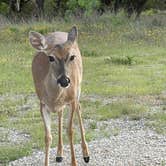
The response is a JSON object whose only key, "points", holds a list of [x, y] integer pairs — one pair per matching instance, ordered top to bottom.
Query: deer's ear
{"points": [[72, 35], [37, 40]]}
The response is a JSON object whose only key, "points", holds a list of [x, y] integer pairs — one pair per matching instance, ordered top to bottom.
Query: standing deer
{"points": [[57, 74]]}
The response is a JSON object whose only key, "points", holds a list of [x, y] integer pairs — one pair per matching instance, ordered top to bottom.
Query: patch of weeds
{"points": [[119, 20], [157, 22], [14, 29], [135, 35], [88, 53], [122, 60], [9, 107], [164, 108], [89, 109], [117, 110], [98, 111], [157, 121], [93, 125], [156, 126], [109, 131], [115, 131], [106, 134], [90, 135], [9, 153], [163, 163]]}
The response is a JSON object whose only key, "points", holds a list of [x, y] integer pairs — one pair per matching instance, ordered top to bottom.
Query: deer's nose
{"points": [[64, 81]]}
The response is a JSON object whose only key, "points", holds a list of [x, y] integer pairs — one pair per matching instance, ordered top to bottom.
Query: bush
{"points": [[156, 4], [82, 6], [3, 8], [125, 60]]}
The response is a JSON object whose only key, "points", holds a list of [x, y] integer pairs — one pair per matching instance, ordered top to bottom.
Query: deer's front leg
{"points": [[47, 125], [70, 135], [84, 144], [59, 157]]}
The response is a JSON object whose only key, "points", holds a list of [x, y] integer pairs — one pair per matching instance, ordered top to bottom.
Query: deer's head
{"points": [[60, 57]]}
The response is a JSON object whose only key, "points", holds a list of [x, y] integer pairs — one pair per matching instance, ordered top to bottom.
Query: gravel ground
{"points": [[10, 137], [135, 145]]}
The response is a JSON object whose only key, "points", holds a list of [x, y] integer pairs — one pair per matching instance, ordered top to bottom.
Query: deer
{"points": [[57, 74]]}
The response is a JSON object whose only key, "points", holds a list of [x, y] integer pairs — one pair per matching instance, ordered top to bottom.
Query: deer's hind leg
{"points": [[47, 125], [83, 144], [59, 157]]}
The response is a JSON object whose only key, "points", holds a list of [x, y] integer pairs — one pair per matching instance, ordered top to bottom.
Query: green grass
{"points": [[129, 50], [121, 58], [100, 112], [157, 122], [14, 152]]}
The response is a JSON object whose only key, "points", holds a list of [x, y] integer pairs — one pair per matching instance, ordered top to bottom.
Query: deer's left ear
{"points": [[72, 35]]}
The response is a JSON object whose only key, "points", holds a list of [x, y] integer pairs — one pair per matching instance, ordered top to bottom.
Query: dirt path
{"points": [[134, 145]]}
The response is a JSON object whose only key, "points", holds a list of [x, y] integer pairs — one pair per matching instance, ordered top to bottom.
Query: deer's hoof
{"points": [[59, 159], [86, 159]]}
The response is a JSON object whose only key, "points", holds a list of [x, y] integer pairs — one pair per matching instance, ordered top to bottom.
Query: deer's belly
{"points": [[61, 104]]}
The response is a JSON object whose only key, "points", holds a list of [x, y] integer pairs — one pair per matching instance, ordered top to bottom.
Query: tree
{"points": [[16, 6], [130, 6], [40, 7]]}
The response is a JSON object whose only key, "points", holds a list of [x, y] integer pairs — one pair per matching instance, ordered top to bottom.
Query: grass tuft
{"points": [[125, 60], [95, 110], [157, 121], [9, 153]]}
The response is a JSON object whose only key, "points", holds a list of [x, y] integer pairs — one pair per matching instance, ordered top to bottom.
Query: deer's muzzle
{"points": [[64, 81]]}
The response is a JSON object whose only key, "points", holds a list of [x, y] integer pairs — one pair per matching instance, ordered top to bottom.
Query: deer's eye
{"points": [[72, 57], [51, 58]]}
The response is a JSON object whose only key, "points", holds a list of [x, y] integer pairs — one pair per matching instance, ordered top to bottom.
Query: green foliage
{"points": [[156, 4], [85, 6], [70, 7], [3, 8], [49, 8], [88, 53], [122, 60], [157, 122], [93, 125]]}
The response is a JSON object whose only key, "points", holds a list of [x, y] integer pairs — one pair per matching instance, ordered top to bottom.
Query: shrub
{"points": [[82, 6], [3, 8], [124, 60]]}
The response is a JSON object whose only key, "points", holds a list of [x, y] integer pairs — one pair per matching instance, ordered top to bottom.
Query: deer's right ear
{"points": [[37, 40]]}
